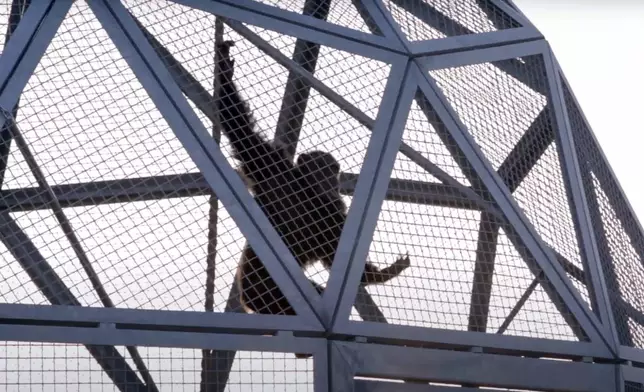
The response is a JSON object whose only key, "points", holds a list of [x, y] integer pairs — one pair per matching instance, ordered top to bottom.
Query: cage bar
{"points": [[443, 117]]}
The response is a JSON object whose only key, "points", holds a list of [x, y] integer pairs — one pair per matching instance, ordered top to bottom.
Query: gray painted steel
{"points": [[609, 351]]}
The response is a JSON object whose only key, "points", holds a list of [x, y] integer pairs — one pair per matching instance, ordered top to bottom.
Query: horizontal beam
{"points": [[300, 26], [471, 42], [194, 184], [159, 320], [108, 335], [460, 340], [501, 371], [385, 386]]}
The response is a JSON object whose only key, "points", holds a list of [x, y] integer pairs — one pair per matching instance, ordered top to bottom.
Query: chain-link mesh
{"points": [[343, 13], [430, 19], [511, 121], [620, 241], [468, 274], [53, 367]]}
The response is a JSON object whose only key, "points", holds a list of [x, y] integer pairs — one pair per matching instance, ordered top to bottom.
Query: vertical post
{"points": [[18, 8], [297, 90], [287, 132], [483, 273], [208, 378]]}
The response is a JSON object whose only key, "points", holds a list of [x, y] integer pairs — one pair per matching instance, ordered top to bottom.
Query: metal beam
{"points": [[18, 8], [446, 25], [301, 26], [471, 43], [22, 54], [494, 55], [17, 63], [297, 90], [287, 133], [203, 150], [528, 150], [512, 171], [606, 176], [194, 184], [577, 202], [73, 240], [537, 255], [348, 267], [483, 278], [56, 292], [517, 307], [160, 320], [106, 335], [412, 336], [490, 370], [209, 371], [388, 386]]}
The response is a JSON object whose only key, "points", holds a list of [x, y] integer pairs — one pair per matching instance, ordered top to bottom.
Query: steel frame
{"points": [[342, 349]]}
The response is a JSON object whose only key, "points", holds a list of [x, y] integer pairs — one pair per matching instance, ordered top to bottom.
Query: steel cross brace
{"points": [[17, 63], [166, 95]]}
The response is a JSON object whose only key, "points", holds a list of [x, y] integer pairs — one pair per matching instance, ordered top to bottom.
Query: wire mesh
{"points": [[343, 13], [9, 16], [431, 19], [86, 119], [318, 123], [512, 123], [142, 214], [619, 237], [467, 273], [66, 367], [630, 386]]}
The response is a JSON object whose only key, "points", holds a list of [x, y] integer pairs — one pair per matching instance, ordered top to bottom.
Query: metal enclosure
{"points": [[122, 218]]}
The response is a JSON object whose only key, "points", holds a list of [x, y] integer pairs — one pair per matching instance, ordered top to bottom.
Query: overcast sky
{"points": [[599, 48]]}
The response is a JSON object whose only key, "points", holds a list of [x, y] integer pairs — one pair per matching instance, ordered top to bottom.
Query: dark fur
{"points": [[302, 201]]}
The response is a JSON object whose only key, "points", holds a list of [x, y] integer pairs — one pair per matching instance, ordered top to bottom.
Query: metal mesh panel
{"points": [[343, 13], [8, 19], [431, 19], [261, 81], [264, 84], [86, 118], [513, 126], [618, 234], [449, 242], [65, 367], [630, 386]]}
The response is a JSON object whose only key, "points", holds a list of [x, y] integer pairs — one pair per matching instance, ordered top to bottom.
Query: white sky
{"points": [[599, 48]]}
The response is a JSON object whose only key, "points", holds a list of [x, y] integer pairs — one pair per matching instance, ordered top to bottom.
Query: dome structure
{"points": [[123, 214]]}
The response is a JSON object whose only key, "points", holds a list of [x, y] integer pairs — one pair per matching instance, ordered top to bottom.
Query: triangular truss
{"points": [[514, 168]]}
